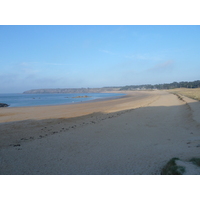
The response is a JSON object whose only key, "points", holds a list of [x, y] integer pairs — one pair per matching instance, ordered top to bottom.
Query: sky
{"points": [[76, 56]]}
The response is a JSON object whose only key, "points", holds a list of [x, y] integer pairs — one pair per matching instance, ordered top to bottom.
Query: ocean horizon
{"points": [[22, 100]]}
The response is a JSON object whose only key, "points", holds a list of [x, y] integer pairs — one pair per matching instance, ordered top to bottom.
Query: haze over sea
{"points": [[20, 100]]}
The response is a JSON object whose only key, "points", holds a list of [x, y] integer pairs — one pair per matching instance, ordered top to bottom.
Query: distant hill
{"points": [[194, 84], [72, 90]]}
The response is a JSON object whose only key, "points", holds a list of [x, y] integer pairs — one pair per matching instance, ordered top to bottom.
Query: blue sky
{"points": [[34, 57]]}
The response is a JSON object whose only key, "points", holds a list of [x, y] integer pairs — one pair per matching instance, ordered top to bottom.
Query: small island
{"points": [[81, 96], [3, 105]]}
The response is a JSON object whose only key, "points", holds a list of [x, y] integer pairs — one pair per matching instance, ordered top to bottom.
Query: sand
{"points": [[136, 134]]}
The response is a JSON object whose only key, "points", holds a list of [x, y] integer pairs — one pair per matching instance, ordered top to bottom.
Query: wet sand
{"points": [[131, 100], [136, 134]]}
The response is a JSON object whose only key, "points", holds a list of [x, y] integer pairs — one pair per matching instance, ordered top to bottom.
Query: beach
{"points": [[133, 135]]}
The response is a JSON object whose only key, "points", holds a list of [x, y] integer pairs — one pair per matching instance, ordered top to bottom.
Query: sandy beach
{"points": [[136, 134]]}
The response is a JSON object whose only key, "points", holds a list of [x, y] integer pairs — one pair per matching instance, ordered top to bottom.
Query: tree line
{"points": [[183, 84]]}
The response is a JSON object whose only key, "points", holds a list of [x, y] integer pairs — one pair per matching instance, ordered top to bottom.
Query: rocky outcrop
{"points": [[81, 96], [3, 105]]}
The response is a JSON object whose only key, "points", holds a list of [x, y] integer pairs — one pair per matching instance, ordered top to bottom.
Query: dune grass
{"points": [[191, 93], [195, 161], [172, 169]]}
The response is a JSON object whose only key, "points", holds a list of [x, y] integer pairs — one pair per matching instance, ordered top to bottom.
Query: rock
{"points": [[81, 96], [3, 105]]}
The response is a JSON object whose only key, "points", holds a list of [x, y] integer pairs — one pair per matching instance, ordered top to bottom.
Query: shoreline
{"points": [[87, 101], [110, 104], [135, 135]]}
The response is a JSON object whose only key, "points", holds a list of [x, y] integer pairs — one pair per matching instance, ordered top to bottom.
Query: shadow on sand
{"points": [[137, 141]]}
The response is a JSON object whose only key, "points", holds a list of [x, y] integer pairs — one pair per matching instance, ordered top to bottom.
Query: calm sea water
{"points": [[19, 100]]}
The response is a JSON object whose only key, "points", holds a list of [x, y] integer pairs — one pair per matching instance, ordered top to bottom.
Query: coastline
{"points": [[52, 102], [110, 104], [137, 134]]}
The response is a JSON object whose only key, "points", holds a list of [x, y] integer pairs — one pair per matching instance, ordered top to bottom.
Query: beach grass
{"points": [[193, 93], [195, 161], [172, 169]]}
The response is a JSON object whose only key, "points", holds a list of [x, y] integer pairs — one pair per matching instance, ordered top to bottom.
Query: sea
{"points": [[21, 100]]}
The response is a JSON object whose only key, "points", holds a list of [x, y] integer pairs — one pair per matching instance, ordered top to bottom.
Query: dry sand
{"points": [[137, 134]]}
